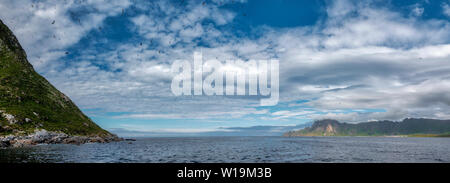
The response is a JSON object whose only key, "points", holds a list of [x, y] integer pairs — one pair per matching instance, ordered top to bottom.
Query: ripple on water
{"points": [[241, 149]]}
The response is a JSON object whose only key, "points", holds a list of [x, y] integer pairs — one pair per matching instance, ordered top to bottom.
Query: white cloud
{"points": [[340, 8], [446, 9], [417, 10], [52, 23], [182, 24], [382, 27], [361, 57], [362, 65], [195, 114], [147, 129]]}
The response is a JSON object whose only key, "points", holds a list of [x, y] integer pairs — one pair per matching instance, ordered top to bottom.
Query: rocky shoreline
{"points": [[48, 137]]}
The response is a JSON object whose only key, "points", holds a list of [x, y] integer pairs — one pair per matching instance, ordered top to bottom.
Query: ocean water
{"points": [[241, 149]]}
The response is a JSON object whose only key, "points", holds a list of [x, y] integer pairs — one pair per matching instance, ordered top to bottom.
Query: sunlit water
{"points": [[242, 149]]}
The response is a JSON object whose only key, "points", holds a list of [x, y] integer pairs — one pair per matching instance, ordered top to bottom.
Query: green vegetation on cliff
{"points": [[28, 101], [408, 127]]}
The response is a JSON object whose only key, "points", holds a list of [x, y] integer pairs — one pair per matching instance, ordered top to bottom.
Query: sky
{"points": [[354, 61]]}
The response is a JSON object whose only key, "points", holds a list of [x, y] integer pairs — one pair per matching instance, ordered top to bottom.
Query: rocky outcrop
{"points": [[9, 117], [329, 130], [45, 137]]}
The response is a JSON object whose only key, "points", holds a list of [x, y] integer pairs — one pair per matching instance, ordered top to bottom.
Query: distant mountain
{"points": [[29, 103], [408, 127], [223, 131]]}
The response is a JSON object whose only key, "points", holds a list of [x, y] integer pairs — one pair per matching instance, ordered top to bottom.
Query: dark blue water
{"points": [[242, 149]]}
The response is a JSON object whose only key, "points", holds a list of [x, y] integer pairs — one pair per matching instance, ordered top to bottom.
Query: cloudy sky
{"points": [[348, 60]]}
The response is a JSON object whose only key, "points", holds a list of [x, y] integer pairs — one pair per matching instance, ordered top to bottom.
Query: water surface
{"points": [[241, 149]]}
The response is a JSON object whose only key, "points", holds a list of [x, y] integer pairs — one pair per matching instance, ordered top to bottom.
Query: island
{"points": [[409, 127]]}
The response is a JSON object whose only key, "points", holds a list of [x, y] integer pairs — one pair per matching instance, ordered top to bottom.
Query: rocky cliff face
{"points": [[30, 104], [319, 128]]}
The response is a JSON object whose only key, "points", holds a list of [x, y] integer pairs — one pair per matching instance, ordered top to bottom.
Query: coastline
{"points": [[389, 136], [48, 137]]}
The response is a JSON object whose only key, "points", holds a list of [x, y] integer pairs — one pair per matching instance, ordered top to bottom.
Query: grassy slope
{"points": [[26, 94]]}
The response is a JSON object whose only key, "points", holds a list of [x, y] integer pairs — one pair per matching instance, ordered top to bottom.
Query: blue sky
{"points": [[348, 60]]}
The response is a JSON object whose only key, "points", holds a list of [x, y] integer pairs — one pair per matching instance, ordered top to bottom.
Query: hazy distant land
{"points": [[409, 127]]}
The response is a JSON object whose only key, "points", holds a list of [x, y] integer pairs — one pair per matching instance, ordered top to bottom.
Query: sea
{"points": [[240, 150]]}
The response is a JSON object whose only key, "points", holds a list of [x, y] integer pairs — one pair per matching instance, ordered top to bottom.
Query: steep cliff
{"points": [[29, 103]]}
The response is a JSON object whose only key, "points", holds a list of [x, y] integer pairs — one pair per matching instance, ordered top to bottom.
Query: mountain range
{"points": [[412, 127]]}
